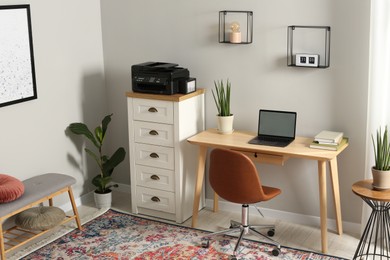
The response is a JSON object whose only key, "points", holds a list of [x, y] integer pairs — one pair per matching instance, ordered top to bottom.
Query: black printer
{"points": [[159, 78]]}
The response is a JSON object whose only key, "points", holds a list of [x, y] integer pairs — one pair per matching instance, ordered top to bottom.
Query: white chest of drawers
{"points": [[163, 164]]}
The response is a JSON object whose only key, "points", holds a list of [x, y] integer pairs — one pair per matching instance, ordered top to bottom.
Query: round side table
{"points": [[375, 240]]}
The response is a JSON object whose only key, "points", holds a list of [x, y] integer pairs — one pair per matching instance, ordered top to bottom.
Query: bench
{"points": [[37, 190]]}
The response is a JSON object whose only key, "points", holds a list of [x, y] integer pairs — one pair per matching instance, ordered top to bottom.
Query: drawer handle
{"points": [[152, 110], [153, 132], [154, 155], [155, 177], [155, 199]]}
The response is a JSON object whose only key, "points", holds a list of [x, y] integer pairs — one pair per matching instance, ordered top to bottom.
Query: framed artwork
{"points": [[17, 71]]}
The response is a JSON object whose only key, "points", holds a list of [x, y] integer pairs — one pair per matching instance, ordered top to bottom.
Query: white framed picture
{"points": [[17, 71]]}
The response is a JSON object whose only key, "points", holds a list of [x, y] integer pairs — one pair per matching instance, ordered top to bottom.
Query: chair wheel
{"points": [[271, 232], [206, 244], [276, 251], [232, 257]]}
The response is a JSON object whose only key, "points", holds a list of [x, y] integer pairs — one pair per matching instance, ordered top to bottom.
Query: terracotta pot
{"points": [[225, 124], [381, 179]]}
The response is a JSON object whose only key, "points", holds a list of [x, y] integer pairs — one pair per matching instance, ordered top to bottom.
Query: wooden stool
{"points": [[37, 190], [375, 240]]}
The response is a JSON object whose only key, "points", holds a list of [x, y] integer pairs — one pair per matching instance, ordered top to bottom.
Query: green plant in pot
{"points": [[222, 101], [106, 164], [381, 169]]}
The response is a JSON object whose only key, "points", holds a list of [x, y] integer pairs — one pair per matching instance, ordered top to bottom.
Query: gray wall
{"points": [[186, 32], [70, 83], [75, 84]]}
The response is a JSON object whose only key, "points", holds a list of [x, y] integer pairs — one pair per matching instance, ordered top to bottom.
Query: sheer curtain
{"points": [[379, 78]]}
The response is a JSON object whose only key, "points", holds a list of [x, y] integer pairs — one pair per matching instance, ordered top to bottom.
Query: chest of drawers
{"points": [[163, 164]]}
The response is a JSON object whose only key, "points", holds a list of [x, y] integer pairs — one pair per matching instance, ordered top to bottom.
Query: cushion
{"points": [[10, 188], [40, 218]]}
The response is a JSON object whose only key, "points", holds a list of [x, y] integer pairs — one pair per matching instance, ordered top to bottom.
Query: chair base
{"points": [[244, 228]]}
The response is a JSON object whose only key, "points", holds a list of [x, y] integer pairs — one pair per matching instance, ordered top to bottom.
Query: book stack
{"points": [[329, 140]]}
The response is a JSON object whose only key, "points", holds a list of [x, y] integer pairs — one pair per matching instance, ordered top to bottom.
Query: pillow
{"points": [[10, 188], [40, 218]]}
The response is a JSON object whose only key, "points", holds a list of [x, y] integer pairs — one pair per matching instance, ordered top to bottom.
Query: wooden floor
{"points": [[287, 234]]}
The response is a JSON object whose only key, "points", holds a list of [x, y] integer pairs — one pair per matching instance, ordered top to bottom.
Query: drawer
{"points": [[153, 110], [153, 133], [155, 156], [155, 178], [156, 199]]}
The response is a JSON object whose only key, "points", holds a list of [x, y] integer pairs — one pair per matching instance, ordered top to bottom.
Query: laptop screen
{"points": [[277, 123]]}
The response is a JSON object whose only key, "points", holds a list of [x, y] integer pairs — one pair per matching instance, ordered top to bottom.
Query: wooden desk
{"points": [[238, 141]]}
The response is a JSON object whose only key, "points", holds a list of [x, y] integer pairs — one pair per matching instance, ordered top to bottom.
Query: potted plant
{"points": [[222, 101], [106, 164], [381, 169]]}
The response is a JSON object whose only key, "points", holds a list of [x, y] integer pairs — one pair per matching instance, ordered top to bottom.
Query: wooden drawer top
{"points": [[175, 97]]}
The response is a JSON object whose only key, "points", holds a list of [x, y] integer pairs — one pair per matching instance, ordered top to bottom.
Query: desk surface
{"points": [[238, 140]]}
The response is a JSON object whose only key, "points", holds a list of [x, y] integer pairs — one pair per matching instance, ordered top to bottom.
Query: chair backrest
{"points": [[234, 177]]}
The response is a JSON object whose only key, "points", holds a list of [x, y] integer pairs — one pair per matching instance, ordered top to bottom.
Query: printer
{"points": [[161, 78]]}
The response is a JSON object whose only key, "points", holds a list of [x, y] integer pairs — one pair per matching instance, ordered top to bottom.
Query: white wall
{"points": [[185, 32], [74, 84], [70, 85]]}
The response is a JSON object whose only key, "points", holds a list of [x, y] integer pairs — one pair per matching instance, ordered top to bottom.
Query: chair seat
{"points": [[270, 192]]}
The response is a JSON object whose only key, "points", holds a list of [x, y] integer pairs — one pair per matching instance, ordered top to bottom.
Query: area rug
{"points": [[116, 235]]}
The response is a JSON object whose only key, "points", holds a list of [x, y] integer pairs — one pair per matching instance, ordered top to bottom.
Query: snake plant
{"points": [[222, 97], [381, 150]]}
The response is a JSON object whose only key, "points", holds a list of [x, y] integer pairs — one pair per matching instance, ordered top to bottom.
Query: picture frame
{"points": [[17, 70]]}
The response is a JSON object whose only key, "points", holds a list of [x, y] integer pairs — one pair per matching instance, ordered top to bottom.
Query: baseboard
{"points": [[350, 228]]}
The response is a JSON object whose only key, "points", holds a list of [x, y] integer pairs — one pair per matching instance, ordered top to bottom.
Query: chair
{"points": [[234, 177]]}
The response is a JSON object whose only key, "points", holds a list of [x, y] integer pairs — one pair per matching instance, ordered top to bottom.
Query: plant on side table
{"points": [[222, 101], [106, 164], [381, 169]]}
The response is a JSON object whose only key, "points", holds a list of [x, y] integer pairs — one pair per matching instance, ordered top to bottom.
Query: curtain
{"points": [[379, 79]]}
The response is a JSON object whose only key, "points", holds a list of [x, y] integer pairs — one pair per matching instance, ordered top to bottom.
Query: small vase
{"points": [[225, 124], [381, 179], [103, 200]]}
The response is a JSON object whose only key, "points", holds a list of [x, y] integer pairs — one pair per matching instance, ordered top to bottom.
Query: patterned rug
{"points": [[116, 235]]}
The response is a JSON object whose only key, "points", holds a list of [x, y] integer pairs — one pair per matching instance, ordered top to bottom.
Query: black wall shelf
{"points": [[243, 18], [308, 41]]}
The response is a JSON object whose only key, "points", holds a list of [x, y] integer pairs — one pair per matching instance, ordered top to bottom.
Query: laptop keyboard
{"points": [[271, 139]]}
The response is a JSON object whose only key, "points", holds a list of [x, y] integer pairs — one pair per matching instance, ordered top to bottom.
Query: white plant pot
{"points": [[225, 124], [381, 179], [103, 200]]}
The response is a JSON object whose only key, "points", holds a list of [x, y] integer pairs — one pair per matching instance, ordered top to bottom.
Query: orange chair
{"points": [[234, 177]]}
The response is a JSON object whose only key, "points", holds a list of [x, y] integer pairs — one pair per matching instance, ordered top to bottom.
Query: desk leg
{"points": [[199, 183], [336, 193], [215, 202], [323, 205]]}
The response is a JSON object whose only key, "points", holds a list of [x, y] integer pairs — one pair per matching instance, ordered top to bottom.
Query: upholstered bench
{"points": [[37, 190]]}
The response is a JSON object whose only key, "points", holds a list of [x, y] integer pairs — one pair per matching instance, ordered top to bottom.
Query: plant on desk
{"points": [[222, 101], [106, 164], [381, 169]]}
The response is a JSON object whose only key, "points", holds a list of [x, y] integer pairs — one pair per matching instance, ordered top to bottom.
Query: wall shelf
{"points": [[242, 23], [310, 42]]}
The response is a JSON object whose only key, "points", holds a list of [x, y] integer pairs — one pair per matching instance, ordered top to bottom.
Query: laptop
{"points": [[276, 128]]}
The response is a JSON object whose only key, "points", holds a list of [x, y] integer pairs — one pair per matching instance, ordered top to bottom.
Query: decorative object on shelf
{"points": [[236, 27], [235, 35], [313, 54], [17, 68], [222, 102], [105, 163], [381, 169]]}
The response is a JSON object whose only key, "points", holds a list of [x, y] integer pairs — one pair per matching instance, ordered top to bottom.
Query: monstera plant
{"points": [[106, 164]]}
